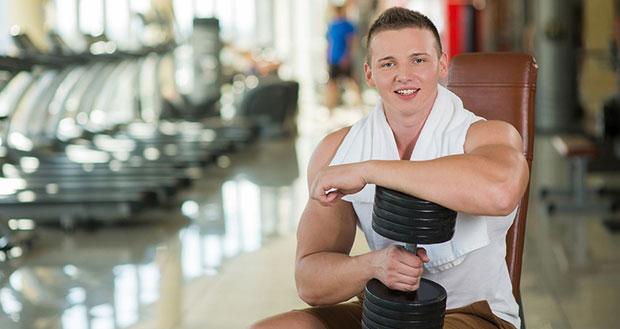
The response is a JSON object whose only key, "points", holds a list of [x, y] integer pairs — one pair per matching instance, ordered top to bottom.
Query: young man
{"points": [[421, 141]]}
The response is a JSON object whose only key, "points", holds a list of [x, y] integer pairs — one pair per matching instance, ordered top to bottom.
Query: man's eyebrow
{"points": [[419, 54], [386, 58]]}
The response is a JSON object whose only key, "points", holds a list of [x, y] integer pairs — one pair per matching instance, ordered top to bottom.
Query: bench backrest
{"points": [[502, 86]]}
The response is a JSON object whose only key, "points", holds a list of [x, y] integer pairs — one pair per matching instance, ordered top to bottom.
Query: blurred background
{"points": [[153, 152]]}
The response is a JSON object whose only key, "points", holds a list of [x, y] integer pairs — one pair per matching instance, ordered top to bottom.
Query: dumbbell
{"points": [[408, 219]]}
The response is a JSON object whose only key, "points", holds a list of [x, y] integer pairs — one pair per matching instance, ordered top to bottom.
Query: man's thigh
{"points": [[340, 316], [349, 316], [475, 316]]}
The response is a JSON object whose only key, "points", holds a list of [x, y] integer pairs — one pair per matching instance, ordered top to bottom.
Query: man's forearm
{"points": [[468, 183], [325, 278]]}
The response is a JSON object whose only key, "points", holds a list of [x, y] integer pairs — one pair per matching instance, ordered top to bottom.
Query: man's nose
{"points": [[405, 73]]}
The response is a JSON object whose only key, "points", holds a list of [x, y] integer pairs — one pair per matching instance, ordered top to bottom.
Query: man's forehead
{"points": [[409, 41]]}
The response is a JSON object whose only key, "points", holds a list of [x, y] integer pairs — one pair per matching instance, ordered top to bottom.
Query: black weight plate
{"points": [[386, 193], [404, 200], [411, 205], [412, 212], [406, 220], [414, 226], [419, 228], [411, 230], [436, 234], [408, 238], [412, 238], [430, 296], [431, 311], [413, 315], [435, 322], [372, 324]]}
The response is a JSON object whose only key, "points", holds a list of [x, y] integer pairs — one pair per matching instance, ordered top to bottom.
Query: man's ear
{"points": [[443, 65], [368, 74]]}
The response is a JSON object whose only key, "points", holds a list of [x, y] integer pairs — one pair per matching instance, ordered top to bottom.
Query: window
{"points": [[91, 17], [66, 21], [117, 23], [5, 39]]}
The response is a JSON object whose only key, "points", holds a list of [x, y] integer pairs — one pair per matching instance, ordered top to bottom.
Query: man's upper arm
{"points": [[492, 132], [502, 145], [325, 228]]}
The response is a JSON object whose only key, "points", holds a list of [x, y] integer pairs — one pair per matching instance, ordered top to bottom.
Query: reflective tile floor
{"points": [[222, 255]]}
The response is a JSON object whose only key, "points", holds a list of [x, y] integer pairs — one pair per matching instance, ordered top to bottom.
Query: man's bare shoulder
{"points": [[484, 132], [325, 151]]}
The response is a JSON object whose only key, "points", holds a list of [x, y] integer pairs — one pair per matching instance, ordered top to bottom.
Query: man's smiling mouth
{"points": [[406, 92]]}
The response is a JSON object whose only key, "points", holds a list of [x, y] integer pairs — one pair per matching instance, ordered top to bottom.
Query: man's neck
{"points": [[407, 129], [406, 138]]}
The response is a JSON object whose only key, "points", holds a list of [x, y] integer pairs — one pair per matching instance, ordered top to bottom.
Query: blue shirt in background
{"points": [[338, 34]]}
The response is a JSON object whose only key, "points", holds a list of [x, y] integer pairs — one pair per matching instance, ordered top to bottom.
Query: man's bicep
{"points": [[492, 132], [326, 229]]}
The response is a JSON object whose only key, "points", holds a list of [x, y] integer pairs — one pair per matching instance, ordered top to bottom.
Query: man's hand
{"points": [[334, 182], [399, 269]]}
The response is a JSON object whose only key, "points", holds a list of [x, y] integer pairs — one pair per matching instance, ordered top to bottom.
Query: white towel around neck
{"points": [[443, 134]]}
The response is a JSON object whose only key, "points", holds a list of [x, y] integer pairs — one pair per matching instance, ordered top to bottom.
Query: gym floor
{"points": [[221, 256]]}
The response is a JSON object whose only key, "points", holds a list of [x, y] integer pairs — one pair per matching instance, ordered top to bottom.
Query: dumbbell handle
{"points": [[412, 248]]}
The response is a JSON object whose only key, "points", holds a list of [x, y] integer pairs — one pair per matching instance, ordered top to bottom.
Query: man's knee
{"points": [[293, 319]]}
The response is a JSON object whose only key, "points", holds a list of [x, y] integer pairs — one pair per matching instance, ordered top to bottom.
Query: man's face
{"points": [[405, 69]]}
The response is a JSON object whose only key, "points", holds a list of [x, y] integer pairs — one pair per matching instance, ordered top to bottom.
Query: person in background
{"points": [[341, 43]]}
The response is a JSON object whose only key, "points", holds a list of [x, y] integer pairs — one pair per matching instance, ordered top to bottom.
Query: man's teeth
{"points": [[406, 91]]}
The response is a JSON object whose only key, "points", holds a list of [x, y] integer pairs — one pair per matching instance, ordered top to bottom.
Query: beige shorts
{"points": [[349, 315]]}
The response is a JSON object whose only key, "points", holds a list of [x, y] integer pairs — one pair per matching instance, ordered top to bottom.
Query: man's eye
{"points": [[418, 60], [387, 65]]}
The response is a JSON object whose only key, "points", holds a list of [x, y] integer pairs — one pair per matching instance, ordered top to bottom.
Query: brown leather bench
{"points": [[502, 86], [574, 146], [578, 150]]}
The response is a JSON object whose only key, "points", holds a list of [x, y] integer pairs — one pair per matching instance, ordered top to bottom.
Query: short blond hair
{"points": [[398, 18]]}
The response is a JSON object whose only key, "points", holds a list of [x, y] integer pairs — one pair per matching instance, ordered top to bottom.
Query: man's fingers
{"points": [[333, 196], [329, 198], [421, 252], [411, 261], [403, 269], [410, 270], [406, 284]]}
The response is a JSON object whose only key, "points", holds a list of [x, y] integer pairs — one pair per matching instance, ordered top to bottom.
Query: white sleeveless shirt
{"points": [[471, 266]]}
